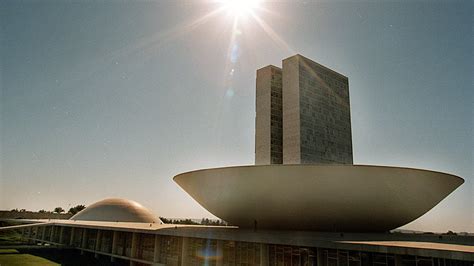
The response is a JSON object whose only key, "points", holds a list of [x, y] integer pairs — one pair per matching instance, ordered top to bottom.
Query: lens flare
{"points": [[239, 8]]}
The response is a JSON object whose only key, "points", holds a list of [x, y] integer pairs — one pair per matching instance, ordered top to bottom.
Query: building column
{"points": [[36, 230], [43, 233], [24, 234], [32, 234], [61, 234], [28, 235], [51, 235], [84, 238], [71, 239], [97, 242], [114, 245], [184, 249], [134, 251], [156, 251], [219, 252], [264, 254], [319, 257], [398, 260]]}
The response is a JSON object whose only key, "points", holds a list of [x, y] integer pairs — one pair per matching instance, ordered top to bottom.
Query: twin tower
{"points": [[302, 114]]}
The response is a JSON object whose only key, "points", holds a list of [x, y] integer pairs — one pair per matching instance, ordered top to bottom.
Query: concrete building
{"points": [[302, 114], [316, 114], [269, 118], [343, 198], [140, 243]]}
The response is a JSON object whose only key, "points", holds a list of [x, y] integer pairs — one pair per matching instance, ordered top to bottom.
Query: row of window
{"points": [[200, 251]]}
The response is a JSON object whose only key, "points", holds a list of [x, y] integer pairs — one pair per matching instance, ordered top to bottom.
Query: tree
{"points": [[76, 209], [58, 210], [42, 211], [165, 220]]}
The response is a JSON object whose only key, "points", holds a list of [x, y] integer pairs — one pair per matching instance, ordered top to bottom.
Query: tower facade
{"points": [[302, 114], [316, 114], [269, 116]]}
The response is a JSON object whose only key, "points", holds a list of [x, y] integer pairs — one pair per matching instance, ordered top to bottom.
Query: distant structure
{"points": [[302, 114], [116, 209]]}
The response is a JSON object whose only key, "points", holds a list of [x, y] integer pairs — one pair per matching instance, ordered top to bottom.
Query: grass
{"points": [[13, 257], [47, 257]]}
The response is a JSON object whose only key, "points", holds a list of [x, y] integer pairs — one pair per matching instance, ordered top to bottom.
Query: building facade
{"points": [[302, 114], [316, 114], [269, 118], [200, 245]]}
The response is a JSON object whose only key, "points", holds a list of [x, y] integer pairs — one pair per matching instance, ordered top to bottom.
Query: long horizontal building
{"points": [[145, 240], [160, 244]]}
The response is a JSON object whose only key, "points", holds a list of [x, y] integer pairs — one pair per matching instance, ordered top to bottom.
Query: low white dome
{"points": [[116, 210]]}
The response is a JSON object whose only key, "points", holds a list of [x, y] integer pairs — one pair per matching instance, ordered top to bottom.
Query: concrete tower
{"points": [[302, 114], [316, 114], [269, 115]]}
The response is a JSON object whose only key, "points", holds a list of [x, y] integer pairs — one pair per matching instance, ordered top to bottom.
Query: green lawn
{"points": [[12, 257]]}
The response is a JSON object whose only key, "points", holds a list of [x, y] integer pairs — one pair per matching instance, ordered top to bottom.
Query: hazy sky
{"points": [[113, 98]]}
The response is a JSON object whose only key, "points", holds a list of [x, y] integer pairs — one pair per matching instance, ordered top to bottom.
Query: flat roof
{"points": [[314, 62]]}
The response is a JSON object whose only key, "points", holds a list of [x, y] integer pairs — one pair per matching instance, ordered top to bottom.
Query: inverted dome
{"points": [[318, 197], [116, 210]]}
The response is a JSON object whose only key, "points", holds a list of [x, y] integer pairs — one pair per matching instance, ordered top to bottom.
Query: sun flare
{"points": [[239, 8]]}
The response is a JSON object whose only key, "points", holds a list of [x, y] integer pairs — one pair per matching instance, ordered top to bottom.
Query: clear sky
{"points": [[114, 98]]}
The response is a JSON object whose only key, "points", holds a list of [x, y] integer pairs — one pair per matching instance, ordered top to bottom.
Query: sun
{"points": [[240, 8]]}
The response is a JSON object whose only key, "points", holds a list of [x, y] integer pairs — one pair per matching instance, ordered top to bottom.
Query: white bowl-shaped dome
{"points": [[318, 197], [116, 210]]}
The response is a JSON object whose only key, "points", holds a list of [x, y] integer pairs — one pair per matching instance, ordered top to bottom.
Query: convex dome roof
{"points": [[116, 210]]}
